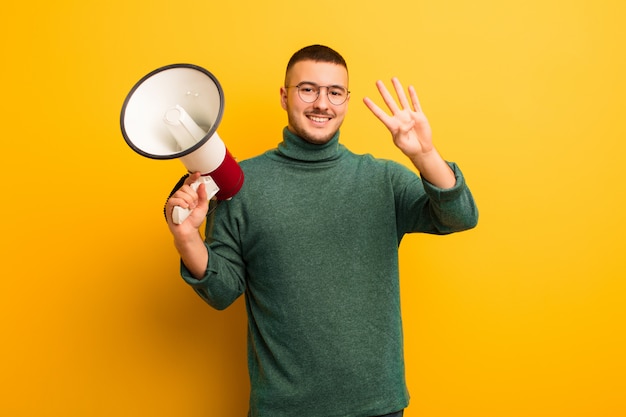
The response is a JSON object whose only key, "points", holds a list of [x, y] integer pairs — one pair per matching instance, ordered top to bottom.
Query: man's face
{"points": [[315, 122]]}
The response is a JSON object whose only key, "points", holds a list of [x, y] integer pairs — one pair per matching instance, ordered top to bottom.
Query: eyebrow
{"points": [[317, 85]]}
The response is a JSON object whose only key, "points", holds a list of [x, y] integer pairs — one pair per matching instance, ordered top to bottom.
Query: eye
{"points": [[307, 88], [337, 91]]}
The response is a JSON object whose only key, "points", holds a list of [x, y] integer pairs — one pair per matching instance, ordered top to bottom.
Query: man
{"points": [[312, 240]]}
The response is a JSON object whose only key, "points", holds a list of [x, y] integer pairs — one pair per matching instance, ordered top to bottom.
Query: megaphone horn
{"points": [[173, 112]]}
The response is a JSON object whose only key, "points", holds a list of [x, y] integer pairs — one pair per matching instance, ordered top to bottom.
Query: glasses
{"points": [[310, 92]]}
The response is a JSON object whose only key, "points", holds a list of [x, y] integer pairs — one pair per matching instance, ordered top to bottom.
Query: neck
{"points": [[295, 147]]}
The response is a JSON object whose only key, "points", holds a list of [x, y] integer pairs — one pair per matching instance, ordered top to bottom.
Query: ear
{"points": [[283, 98]]}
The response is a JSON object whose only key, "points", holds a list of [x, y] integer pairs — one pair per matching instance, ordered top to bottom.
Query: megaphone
{"points": [[173, 112]]}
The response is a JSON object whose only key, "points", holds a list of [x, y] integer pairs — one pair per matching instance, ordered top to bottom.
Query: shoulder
{"points": [[260, 161], [387, 166]]}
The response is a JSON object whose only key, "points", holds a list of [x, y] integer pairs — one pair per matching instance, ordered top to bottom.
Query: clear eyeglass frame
{"points": [[310, 92]]}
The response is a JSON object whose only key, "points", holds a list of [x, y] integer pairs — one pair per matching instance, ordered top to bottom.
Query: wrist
{"points": [[422, 160], [433, 168], [185, 239]]}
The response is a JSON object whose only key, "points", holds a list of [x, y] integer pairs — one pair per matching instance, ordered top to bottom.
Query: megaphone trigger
{"points": [[180, 214]]}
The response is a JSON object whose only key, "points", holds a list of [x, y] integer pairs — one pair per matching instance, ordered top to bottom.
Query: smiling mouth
{"points": [[318, 119]]}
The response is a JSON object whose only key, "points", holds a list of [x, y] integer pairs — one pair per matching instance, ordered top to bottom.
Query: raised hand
{"points": [[407, 123], [411, 132]]}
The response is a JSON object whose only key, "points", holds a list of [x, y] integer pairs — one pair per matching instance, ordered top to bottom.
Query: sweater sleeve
{"points": [[429, 209], [224, 279], [217, 287]]}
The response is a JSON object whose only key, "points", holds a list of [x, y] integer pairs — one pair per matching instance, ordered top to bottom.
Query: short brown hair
{"points": [[317, 53]]}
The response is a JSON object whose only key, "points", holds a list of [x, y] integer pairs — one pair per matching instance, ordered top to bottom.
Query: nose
{"points": [[322, 101]]}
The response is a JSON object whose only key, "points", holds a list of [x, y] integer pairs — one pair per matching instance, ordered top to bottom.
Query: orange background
{"points": [[523, 316]]}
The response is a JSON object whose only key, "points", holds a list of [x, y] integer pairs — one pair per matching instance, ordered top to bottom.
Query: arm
{"points": [[411, 133], [431, 209], [187, 238]]}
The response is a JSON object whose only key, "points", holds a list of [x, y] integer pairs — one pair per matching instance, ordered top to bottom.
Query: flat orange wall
{"points": [[523, 316]]}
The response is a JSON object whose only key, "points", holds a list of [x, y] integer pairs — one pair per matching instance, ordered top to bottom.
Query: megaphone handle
{"points": [[179, 214]]}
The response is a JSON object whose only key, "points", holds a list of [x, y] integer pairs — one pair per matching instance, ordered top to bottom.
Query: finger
{"points": [[400, 93], [386, 95], [414, 99], [374, 107], [378, 112], [193, 177], [202, 194], [183, 200]]}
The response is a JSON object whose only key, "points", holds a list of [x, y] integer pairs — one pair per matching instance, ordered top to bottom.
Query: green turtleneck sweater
{"points": [[312, 240]]}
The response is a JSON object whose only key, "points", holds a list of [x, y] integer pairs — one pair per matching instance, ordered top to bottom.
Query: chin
{"points": [[316, 136], [317, 140]]}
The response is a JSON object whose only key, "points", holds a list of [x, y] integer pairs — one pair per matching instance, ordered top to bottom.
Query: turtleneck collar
{"points": [[294, 147]]}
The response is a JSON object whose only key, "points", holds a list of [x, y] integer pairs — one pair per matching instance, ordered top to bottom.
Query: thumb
{"points": [[202, 194]]}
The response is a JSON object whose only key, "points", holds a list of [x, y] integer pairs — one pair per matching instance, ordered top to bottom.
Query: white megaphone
{"points": [[173, 112]]}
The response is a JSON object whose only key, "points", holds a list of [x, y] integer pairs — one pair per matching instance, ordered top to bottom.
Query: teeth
{"points": [[319, 119]]}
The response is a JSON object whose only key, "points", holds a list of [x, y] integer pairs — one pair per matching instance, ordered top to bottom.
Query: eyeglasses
{"points": [[310, 92]]}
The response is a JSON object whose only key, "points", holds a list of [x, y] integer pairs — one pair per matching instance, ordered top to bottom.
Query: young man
{"points": [[312, 240]]}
